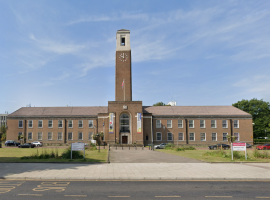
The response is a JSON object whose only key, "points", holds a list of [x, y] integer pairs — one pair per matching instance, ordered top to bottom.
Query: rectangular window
{"points": [[40, 123], [50, 123], [60, 123], [70, 123], [80, 123], [158, 123], [169, 123], [180, 123], [191, 123], [202, 123], [213, 123], [235, 123], [20, 124], [30, 124], [90, 124], [224, 124], [39, 135], [49, 135], [70, 135], [90, 135], [29, 136], [60, 136], [80, 136], [170, 136], [181, 136], [192, 136], [214, 136], [225, 136], [236, 136], [203, 137], [159, 138]]}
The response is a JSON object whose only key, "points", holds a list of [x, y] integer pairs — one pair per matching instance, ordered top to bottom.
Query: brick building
{"points": [[125, 121]]}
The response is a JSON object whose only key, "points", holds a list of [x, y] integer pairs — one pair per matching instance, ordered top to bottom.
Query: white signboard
{"points": [[77, 146], [239, 147]]}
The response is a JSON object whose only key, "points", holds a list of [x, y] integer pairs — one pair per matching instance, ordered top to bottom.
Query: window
{"points": [[123, 41], [40, 123], [50, 123], [60, 123], [70, 123], [80, 123], [124, 123], [158, 123], [169, 123], [180, 123], [191, 123], [202, 123], [213, 123], [235, 123], [20, 124], [30, 124], [90, 124], [224, 124], [20, 134], [49, 135], [70, 135], [90, 135], [29, 136], [39, 136], [60, 136], [80, 136], [170, 136], [180, 136], [191, 136], [214, 136], [225, 136], [236, 136], [146, 137], [159, 138], [203, 138]]}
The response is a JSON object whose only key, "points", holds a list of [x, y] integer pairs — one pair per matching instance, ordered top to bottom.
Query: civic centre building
{"points": [[125, 121]]}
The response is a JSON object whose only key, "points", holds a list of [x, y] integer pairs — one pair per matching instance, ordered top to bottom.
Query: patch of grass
{"points": [[15, 154], [261, 154], [218, 155]]}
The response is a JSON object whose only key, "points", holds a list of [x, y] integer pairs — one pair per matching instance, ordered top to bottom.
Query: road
{"points": [[46, 189]]}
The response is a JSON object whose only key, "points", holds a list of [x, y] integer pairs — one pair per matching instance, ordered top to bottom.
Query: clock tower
{"points": [[123, 84]]}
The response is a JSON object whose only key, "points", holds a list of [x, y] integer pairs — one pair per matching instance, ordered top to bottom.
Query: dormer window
{"points": [[123, 41]]}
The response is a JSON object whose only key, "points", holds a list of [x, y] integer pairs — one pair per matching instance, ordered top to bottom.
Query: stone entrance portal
{"points": [[124, 139]]}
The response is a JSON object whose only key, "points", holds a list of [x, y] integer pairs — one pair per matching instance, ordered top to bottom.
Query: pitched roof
{"points": [[59, 111], [195, 111]]}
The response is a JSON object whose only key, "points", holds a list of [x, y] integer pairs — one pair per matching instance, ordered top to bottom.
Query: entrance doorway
{"points": [[124, 139]]}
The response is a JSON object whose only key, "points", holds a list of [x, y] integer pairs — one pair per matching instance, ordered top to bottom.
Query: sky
{"points": [[62, 53]]}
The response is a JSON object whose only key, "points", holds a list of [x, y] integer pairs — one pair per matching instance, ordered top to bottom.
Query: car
{"points": [[11, 143], [37, 143], [26, 145], [248, 145], [160, 146], [218, 146], [263, 147]]}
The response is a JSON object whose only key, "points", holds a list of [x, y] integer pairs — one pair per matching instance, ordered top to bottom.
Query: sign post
{"points": [[77, 147], [239, 147]]}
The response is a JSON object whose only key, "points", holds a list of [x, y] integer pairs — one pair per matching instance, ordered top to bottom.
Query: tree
{"points": [[160, 104], [260, 111], [3, 132]]}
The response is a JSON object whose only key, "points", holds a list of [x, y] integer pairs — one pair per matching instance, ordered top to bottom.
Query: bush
{"points": [[260, 141], [169, 146], [184, 148], [219, 153], [75, 154], [263, 154]]}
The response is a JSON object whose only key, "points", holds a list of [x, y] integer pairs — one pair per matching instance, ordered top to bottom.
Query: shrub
{"points": [[169, 146], [219, 153], [75, 154], [258, 154]]}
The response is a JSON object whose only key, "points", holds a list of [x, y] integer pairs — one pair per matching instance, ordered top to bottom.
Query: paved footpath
{"points": [[137, 171]]}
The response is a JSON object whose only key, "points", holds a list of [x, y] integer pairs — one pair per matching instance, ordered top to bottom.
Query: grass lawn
{"points": [[15, 155], [199, 155]]}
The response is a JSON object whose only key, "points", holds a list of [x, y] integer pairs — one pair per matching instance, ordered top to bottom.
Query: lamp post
{"points": [[265, 134], [98, 143]]}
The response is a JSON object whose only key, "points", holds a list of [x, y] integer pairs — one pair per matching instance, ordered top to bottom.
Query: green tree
{"points": [[160, 104], [260, 111], [3, 132]]}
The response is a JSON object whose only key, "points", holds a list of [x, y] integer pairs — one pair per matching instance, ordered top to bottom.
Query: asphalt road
{"points": [[133, 190]]}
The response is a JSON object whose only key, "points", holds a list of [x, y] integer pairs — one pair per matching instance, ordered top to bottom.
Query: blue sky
{"points": [[59, 53]]}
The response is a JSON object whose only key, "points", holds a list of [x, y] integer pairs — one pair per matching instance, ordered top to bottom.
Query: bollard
{"points": [[109, 147], [116, 147], [122, 147], [129, 147], [135, 147], [142, 147], [149, 147]]}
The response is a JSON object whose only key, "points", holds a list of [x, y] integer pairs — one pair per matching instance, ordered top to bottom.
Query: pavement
{"points": [[137, 165]]}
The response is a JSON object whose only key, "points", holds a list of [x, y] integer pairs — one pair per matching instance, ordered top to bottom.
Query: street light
{"points": [[98, 143]]}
